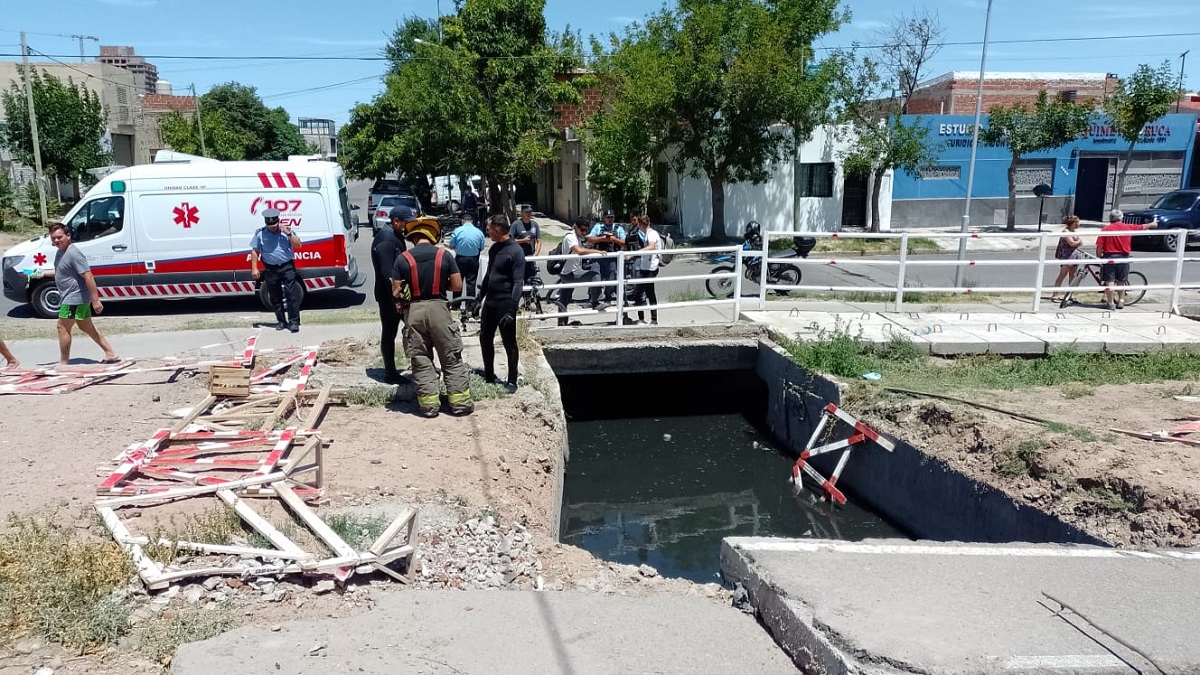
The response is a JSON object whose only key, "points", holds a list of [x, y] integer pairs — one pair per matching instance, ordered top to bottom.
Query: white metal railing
{"points": [[901, 260]]}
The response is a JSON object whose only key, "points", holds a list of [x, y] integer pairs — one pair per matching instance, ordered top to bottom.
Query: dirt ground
{"points": [[482, 483], [1127, 491]]}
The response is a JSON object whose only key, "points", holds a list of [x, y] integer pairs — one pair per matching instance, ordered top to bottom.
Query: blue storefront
{"points": [[1082, 174]]}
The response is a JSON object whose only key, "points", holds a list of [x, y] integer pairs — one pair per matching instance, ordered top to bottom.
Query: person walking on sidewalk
{"points": [[467, 242], [1116, 245], [386, 246], [275, 247], [1068, 249], [646, 267], [420, 279], [501, 295], [78, 296], [10, 361]]}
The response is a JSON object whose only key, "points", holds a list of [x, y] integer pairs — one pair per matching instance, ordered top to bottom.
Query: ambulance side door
{"points": [[100, 229], [183, 232]]}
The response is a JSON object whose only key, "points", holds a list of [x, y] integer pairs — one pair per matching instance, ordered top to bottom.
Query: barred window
{"points": [[941, 172], [816, 179]]}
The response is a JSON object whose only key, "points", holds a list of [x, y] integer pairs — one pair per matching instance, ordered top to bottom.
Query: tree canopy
{"points": [[715, 85], [479, 100], [1137, 101], [1050, 124], [70, 125], [237, 125]]}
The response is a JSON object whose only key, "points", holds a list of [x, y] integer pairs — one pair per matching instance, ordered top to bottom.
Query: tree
{"points": [[907, 45], [725, 74], [480, 100], [1138, 100], [1050, 124], [70, 125], [237, 126]]}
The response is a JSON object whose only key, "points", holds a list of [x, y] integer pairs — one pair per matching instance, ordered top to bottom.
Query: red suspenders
{"points": [[437, 273]]}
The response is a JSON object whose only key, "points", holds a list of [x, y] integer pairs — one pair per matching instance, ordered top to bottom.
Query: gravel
{"points": [[477, 554]]}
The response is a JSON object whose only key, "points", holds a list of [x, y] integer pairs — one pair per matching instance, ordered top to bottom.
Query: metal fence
{"points": [[1035, 285]]}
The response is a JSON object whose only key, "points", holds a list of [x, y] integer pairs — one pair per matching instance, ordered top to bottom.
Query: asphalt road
{"points": [[853, 271]]}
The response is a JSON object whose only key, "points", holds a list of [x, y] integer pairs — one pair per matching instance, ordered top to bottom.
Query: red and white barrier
{"points": [[862, 434]]}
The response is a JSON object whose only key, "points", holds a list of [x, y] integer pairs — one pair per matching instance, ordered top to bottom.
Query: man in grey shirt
{"points": [[78, 297]]}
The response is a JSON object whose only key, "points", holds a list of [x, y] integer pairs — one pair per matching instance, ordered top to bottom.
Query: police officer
{"points": [[610, 238], [467, 242], [274, 246], [386, 246], [420, 279], [501, 295]]}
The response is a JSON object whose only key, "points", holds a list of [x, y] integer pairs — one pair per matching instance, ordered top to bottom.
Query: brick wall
{"points": [[959, 95], [571, 115]]}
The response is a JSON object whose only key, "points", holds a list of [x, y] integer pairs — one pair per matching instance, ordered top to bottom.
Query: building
{"points": [[145, 74], [955, 93], [118, 94], [153, 108], [320, 133], [1082, 174], [562, 187]]}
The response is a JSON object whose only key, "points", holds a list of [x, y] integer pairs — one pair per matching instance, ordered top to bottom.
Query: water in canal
{"points": [[664, 466]]}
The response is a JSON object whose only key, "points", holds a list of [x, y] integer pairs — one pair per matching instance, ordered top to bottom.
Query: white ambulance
{"points": [[182, 229]]}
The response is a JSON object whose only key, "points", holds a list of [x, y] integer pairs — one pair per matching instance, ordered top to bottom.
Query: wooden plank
{"points": [[229, 381], [318, 408], [281, 411], [194, 413], [1156, 437], [134, 460], [151, 495], [407, 515], [314, 522], [260, 524], [221, 549], [147, 568]]}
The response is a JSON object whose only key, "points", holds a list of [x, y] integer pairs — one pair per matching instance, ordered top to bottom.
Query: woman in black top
{"points": [[501, 295]]}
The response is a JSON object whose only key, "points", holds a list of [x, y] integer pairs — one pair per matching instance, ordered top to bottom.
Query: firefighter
{"points": [[421, 278]]}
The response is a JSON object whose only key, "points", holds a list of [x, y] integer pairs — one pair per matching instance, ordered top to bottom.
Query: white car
{"points": [[380, 217]]}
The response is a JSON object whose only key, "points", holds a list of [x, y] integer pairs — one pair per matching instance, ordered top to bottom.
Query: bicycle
{"points": [[1096, 297], [531, 306]]}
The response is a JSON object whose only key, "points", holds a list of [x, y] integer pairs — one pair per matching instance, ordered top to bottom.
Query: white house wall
{"points": [[770, 203]]}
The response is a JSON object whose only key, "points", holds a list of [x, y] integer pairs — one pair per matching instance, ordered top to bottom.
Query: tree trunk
{"points": [[876, 185], [1120, 189], [1010, 222], [797, 226], [716, 232]]}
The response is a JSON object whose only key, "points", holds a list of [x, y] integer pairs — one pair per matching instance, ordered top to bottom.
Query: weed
{"points": [[915, 245], [687, 295], [525, 341], [1074, 390], [486, 391], [371, 397], [1078, 433], [1023, 460], [1107, 499], [218, 525], [288, 526], [358, 531], [56, 584], [159, 640]]}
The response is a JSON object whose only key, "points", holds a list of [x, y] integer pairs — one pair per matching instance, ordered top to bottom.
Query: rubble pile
{"points": [[477, 554]]}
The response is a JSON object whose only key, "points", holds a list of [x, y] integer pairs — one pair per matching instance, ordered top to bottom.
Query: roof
{"points": [[973, 75], [168, 102]]}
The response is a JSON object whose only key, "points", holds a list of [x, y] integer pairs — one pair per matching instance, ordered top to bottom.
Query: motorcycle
{"points": [[778, 273]]}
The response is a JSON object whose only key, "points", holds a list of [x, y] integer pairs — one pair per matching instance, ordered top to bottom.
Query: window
{"points": [[1068, 95], [816, 179], [348, 217], [98, 218]]}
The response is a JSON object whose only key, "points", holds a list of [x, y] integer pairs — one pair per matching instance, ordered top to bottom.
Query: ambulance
{"points": [[182, 228]]}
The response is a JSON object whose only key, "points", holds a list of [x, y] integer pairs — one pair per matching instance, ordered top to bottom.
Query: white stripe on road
{"points": [[788, 545]]}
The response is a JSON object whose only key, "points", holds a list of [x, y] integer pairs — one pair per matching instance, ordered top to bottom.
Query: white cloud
{"points": [[129, 3], [868, 24]]}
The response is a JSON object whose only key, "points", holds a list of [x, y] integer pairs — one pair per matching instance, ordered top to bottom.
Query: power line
{"points": [[1028, 41], [81, 72], [335, 85]]}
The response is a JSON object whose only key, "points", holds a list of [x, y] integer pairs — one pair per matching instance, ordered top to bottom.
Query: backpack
{"points": [[668, 244], [555, 267]]}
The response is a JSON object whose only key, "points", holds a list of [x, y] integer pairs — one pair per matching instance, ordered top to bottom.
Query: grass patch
{"points": [[864, 246], [688, 295], [918, 297], [525, 340], [837, 353], [1074, 390], [486, 391], [372, 397], [1078, 433], [1022, 460], [1110, 500], [217, 525], [358, 531], [57, 585], [160, 639]]}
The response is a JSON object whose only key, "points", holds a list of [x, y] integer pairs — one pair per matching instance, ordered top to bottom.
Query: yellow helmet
{"points": [[428, 227]]}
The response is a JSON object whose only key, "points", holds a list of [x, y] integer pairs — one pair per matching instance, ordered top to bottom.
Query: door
{"points": [[1091, 187], [854, 202], [99, 229]]}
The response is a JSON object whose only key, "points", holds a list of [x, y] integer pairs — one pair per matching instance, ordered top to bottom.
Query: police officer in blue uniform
{"points": [[275, 248]]}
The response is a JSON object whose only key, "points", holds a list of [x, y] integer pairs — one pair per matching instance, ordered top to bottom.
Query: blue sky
{"points": [[164, 28]]}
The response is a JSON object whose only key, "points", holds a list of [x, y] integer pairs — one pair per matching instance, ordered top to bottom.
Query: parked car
{"points": [[381, 188], [1174, 211], [380, 218]]}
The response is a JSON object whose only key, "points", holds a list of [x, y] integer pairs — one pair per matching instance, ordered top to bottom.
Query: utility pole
{"points": [[439, 11], [81, 38], [1182, 63], [199, 122], [33, 133], [966, 219]]}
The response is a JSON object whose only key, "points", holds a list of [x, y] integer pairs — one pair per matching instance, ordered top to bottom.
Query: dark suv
{"points": [[1178, 210]]}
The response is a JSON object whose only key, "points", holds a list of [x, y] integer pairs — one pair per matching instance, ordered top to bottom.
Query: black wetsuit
{"points": [[385, 248], [501, 292]]}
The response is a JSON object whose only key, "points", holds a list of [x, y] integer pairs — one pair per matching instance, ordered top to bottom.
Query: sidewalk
{"points": [[1028, 243]]}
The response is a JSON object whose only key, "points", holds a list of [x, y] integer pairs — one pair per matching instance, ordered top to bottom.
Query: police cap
{"points": [[270, 214]]}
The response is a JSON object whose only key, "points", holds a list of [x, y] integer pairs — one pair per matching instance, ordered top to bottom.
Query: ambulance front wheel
{"points": [[263, 298], [45, 300]]}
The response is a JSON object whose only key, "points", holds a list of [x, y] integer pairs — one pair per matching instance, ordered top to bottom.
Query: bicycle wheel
{"points": [[723, 287], [1082, 291], [1136, 295], [464, 309]]}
